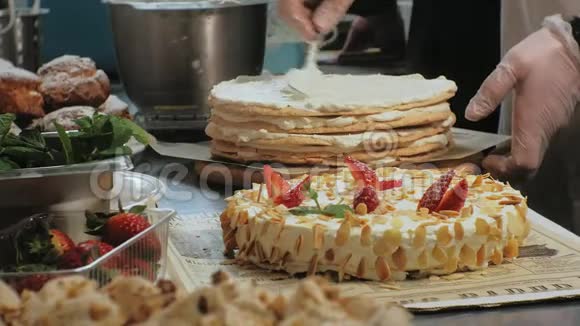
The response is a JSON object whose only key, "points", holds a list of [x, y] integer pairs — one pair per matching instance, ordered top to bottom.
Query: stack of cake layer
{"points": [[375, 119]]}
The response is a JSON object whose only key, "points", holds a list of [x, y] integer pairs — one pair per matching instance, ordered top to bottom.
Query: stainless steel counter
{"points": [[188, 196]]}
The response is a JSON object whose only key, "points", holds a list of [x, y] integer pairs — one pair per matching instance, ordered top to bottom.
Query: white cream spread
{"points": [[334, 93], [289, 123], [247, 137], [484, 233]]}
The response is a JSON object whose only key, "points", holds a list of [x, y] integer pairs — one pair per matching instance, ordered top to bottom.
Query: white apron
{"points": [[521, 18]]}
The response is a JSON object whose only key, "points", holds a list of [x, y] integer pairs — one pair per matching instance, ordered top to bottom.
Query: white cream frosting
{"points": [[333, 93], [289, 123], [247, 137], [507, 220]]}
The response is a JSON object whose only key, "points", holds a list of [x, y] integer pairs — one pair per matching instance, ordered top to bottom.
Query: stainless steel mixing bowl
{"points": [[170, 54]]}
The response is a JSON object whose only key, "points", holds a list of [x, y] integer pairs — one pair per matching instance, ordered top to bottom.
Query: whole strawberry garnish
{"points": [[362, 173], [295, 196], [368, 196], [432, 197], [454, 199], [61, 241], [72, 258]]}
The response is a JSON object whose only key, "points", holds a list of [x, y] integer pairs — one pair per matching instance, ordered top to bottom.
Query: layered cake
{"points": [[376, 118], [384, 224]]}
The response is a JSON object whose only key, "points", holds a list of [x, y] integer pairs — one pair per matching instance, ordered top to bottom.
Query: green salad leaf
{"points": [[5, 124], [98, 137], [66, 143]]}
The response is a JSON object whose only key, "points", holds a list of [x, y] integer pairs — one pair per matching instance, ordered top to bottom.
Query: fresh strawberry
{"points": [[362, 173], [275, 184], [390, 184], [295, 196], [368, 196], [432, 197], [454, 199], [120, 227], [123, 227], [116, 228], [61, 241], [102, 247], [93, 249], [73, 258], [139, 267], [31, 283]]}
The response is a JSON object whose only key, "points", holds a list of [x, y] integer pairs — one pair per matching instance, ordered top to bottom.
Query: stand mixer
{"points": [[171, 53]]}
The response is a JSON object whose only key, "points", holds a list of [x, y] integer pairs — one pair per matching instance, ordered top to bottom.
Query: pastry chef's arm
{"points": [[313, 17], [544, 71]]}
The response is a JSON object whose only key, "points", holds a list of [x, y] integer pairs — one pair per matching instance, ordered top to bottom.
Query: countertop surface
{"points": [[188, 196]]}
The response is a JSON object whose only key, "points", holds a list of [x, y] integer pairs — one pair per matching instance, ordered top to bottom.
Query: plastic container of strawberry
{"points": [[143, 255]]}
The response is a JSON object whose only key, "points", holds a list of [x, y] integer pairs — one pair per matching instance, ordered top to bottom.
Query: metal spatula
{"points": [[302, 80]]}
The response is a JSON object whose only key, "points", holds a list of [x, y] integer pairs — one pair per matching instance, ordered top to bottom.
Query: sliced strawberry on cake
{"points": [[364, 175], [275, 184], [280, 192], [434, 194], [295, 196], [454, 199]]}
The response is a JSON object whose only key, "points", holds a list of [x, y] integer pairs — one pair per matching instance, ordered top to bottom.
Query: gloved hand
{"points": [[312, 22], [544, 71]]}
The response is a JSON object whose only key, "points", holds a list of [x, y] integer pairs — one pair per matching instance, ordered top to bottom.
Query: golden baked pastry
{"points": [[5, 64], [73, 81], [19, 92], [115, 106], [74, 300]]}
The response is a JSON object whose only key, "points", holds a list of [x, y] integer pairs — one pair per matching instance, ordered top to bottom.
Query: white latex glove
{"points": [[312, 22], [544, 71]]}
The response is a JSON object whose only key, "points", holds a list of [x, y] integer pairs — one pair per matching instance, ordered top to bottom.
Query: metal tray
{"points": [[74, 187], [117, 260]]}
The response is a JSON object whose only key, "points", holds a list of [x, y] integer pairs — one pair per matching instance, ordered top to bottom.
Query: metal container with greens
{"points": [[71, 172]]}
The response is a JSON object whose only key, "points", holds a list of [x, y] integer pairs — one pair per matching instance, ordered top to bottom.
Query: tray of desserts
{"points": [[64, 89], [63, 136], [130, 300]]}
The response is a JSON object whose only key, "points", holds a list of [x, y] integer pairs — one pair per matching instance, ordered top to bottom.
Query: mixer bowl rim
{"points": [[185, 5], [25, 12]]}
